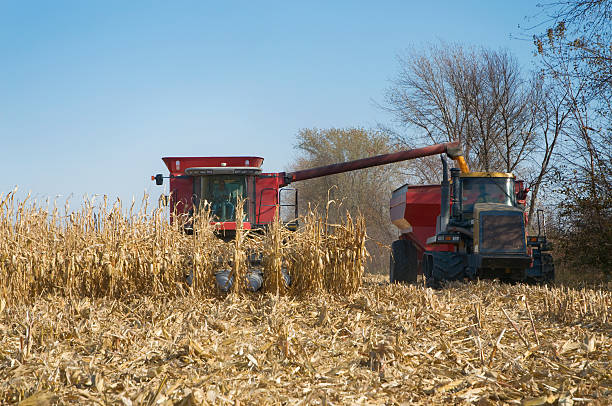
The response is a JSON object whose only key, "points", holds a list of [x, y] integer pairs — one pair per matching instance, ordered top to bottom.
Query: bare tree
{"points": [[578, 35], [576, 55], [423, 96], [477, 96], [550, 115], [366, 191]]}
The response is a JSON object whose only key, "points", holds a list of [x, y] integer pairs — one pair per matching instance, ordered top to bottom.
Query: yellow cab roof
{"points": [[487, 175]]}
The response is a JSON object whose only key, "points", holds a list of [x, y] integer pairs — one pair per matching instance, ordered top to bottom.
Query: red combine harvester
{"points": [[477, 228]]}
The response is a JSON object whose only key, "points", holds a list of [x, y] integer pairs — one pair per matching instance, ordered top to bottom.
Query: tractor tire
{"points": [[403, 262], [444, 267], [548, 268]]}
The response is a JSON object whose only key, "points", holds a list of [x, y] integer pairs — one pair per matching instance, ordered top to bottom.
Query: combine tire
{"points": [[403, 262]]}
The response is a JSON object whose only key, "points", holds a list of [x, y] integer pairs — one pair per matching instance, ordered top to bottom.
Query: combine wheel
{"points": [[403, 262]]}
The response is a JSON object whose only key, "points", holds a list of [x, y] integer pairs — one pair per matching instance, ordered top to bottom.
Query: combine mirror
{"points": [[159, 179]]}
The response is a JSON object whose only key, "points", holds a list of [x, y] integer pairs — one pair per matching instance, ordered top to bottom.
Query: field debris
{"points": [[104, 306], [384, 344]]}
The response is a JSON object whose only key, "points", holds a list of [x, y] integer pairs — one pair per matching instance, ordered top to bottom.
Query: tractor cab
{"points": [[486, 187]]}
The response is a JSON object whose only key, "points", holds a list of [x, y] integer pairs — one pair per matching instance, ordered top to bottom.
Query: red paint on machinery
{"points": [[192, 180], [414, 210]]}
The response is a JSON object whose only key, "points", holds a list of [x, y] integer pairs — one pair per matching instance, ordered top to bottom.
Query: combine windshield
{"points": [[487, 190], [222, 193]]}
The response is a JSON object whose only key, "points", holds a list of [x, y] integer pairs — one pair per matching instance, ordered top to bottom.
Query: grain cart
{"points": [[471, 227]]}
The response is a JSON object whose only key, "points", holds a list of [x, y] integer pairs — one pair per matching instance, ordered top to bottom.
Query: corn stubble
{"points": [[94, 310]]}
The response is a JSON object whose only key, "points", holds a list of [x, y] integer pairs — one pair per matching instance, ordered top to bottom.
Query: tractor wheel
{"points": [[403, 262], [443, 267], [548, 268]]}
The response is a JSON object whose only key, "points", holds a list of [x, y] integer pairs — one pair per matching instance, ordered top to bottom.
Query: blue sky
{"points": [[93, 94]]}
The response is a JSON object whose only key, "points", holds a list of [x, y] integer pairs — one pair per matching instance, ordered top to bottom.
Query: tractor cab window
{"points": [[486, 190], [222, 192]]}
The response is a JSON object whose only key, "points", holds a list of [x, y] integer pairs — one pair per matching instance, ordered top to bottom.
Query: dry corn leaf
{"points": [[590, 345], [568, 346], [42, 398], [565, 400]]}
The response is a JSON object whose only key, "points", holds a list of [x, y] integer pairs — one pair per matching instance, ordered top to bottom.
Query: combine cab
{"points": [[222, 181]]}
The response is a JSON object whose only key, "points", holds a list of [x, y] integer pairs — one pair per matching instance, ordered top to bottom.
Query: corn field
{"points": [[101, 251], [94, 309]]}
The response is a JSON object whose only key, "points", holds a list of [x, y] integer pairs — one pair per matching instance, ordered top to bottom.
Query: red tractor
{"points": [[476, 228]]}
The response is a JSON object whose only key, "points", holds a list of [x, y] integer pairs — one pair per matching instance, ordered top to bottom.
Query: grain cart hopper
{"points": [[471, 227]]}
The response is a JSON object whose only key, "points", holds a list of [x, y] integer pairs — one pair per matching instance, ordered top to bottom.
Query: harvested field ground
{"points": [[382, 345]]}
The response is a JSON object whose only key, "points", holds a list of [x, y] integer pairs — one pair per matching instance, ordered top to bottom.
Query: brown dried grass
{"points": [[384, 344]]}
